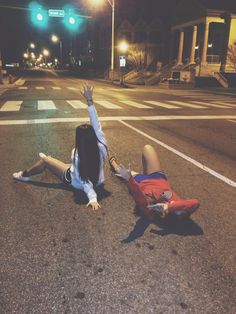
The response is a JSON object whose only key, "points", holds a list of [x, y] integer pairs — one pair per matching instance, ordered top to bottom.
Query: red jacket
{"points": [[156, 187]]}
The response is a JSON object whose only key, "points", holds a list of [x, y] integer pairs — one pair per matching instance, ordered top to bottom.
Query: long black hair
{"points": [[86, 146]]}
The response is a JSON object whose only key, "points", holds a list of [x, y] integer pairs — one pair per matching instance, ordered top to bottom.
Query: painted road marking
{"points": [[23, 87], [39, 87], [56, 87], [72, 88], [77, 104], [107, 104], [135, 104], [160, 104], [185, 104], [11, 105], [46, 105], [212, 105], [231, 105], [118, 118], [178, 153]]}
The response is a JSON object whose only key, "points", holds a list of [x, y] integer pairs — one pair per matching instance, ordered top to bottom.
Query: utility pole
{"points": [[1, 77]]}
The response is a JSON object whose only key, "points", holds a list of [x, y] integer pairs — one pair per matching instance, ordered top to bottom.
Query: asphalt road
{"points": [[57, 256]]}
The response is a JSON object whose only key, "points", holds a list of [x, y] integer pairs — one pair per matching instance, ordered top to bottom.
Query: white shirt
{"points": [[76, 180]]}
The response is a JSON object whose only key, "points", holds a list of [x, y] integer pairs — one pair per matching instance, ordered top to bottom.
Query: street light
{"points": [[112, 4], [56, 39], [32, 45], [123, 47], [46, 53]]}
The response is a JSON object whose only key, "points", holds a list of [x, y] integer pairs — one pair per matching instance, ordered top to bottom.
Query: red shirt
{"points": [[156, 187]]}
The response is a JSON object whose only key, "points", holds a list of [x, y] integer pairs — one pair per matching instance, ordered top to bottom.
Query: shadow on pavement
{"points": [[81, 198], [171, 225]]}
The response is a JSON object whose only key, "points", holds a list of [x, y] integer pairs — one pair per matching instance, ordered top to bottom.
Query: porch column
{"points": [[194, 42], [205, 44], [181, 47]]}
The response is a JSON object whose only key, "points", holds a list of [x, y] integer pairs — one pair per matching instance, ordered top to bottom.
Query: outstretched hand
{"points": [[87, 92], [123, 172], [94, 205]]}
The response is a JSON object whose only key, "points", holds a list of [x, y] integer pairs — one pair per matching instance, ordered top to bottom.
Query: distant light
{"points": [[39, 16], [72, 20], [55, 38], [32, 45], [210, 45], [123, 46], [196, 47], [46, 53]]}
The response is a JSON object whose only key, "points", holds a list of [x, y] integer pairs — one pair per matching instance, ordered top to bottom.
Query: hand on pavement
{"points": [[94, 205]]}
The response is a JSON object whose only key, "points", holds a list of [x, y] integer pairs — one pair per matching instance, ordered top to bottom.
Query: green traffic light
{"points": [[39, 16], [71, 19]]}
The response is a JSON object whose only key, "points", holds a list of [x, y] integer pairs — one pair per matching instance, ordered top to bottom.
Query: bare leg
{"points": [[151, 162], [56, 166]]}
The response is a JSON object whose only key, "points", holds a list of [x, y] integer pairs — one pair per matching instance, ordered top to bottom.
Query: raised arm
{"points": [[87, 93]]}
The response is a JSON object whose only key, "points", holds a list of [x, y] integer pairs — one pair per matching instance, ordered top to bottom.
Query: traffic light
{"points": [[39, 15], [71, 19]]}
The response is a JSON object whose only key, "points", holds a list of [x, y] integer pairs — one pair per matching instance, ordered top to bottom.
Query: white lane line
{"points": [[23, 87], [40, 87], [56, 87], [72, 88], [77, 104], [107, 104], [135, 104], [160, 104], [186, 104], [13, 105], [46, 105], [212, 105], [117, 118], [234, 121], [178, 153]]}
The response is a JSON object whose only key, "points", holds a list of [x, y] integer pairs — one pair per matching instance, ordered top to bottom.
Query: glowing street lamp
{"points": [[55, 39], [32, 45], [123, 46], [46, 52], [25, 55]]}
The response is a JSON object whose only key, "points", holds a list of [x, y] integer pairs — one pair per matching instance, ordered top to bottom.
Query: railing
{"points": [[213, 59]]}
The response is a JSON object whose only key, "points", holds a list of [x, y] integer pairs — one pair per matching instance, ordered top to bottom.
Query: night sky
{"points": [[16, 29]]}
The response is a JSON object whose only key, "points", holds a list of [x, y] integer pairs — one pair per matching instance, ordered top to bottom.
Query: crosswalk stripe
{"points": [[23, 87], [40, 87], [56, 87], [72, 88], [77, 104], [107, 104], [135, 104], [160, 104], [185, 104], [212, 104], [227, 104], [11, 105], [46, 105]]}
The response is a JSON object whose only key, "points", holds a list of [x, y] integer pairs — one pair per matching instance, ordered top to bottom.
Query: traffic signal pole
{"points": [[1, 76]]}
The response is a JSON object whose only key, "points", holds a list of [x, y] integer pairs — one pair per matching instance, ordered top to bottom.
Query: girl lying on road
{"points": [[88, 156], [151, 191]]}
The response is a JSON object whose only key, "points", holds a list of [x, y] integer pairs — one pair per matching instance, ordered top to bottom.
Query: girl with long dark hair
{"points": [[86, 170]]}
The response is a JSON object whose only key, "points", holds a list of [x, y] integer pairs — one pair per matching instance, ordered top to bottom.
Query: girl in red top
{"points": [[151, 191]]}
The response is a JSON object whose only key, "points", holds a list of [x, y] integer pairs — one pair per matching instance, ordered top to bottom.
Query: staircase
{"points": [[221, 79]]}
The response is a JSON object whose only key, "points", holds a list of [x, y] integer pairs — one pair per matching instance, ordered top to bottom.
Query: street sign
{"points": [[56, 13], [122, 61]]}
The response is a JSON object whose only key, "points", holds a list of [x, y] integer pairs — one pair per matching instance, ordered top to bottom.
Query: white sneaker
{"points": [[42, 155], [18, 176]]}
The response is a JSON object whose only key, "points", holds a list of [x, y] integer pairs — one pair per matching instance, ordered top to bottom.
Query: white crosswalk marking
{"points": [[23, 87], [40, 87], [56, 87], [72, 88], [77, 104], [107, 104], [134, 104], [160, 104], [185, 104], [212, 104], [227, 104], [13, 105], [46, 105]]}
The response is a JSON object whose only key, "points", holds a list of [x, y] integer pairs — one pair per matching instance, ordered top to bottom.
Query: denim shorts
{"points": [[155, 175], [67, 176]]}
